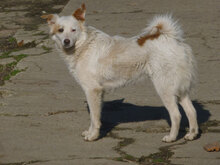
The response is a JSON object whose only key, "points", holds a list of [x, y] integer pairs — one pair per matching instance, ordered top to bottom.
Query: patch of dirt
{"points": [[21, 15], [8, 70]]}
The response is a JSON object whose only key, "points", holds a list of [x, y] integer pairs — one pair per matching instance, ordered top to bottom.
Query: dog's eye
{"points": [[60, 30], [73, 30]]}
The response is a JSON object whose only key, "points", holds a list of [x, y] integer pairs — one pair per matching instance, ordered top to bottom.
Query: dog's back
{"points": [[159, 52]]}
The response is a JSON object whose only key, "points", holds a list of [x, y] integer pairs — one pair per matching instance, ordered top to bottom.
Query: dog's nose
{"points": [[66, 41]]}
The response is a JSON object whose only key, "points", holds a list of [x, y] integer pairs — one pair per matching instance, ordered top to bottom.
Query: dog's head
{"points": [[66, 30]]}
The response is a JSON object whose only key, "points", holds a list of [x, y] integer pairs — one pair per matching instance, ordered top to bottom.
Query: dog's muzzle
{"points": [[66, 42]]}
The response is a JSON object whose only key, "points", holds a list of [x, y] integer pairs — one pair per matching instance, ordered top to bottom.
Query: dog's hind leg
{"points": [[94, 99], [190, 111], [175, 116]]}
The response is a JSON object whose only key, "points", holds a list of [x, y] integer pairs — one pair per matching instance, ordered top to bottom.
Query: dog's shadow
{"points": [[116, 112]]}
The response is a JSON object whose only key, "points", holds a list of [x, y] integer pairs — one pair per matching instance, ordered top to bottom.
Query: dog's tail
{"points": [[161, 25]]}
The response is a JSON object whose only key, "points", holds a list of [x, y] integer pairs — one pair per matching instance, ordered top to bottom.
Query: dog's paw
{"points": [[85, 133], [91, 136], [190, 136], [168, 139]]}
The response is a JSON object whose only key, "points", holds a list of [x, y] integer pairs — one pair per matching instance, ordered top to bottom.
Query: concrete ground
{"points": [[43, 110]]}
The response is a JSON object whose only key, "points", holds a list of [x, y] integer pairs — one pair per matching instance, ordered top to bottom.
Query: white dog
{"points": [[100, 62]]}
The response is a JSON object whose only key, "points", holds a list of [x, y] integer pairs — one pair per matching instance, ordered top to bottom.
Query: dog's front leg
{"points": [[94, 99]]}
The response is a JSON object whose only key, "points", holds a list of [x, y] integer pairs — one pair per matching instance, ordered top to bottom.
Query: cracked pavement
{"points": [[43, 110]]}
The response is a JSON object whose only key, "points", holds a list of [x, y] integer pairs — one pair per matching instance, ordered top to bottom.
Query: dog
{"points": [[100, 62]]}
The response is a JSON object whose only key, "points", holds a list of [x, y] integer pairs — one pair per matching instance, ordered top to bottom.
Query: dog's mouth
{"points": [[69, 46], [69, 49]]}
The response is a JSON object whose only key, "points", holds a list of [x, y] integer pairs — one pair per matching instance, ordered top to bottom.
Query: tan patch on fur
{"points": [[79, 14], [159, 26], [55, 28], [143, 39]]}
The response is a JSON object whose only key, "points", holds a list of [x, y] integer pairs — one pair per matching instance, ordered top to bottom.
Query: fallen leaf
{"points": [[21, 43], [212, 147]]}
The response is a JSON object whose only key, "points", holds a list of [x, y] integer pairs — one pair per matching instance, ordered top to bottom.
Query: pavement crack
{"points": [[38, 66], [210, 102], [59, 112], [14, 115], [205, 127], [118, 148], [162, 157], [25, 163]]}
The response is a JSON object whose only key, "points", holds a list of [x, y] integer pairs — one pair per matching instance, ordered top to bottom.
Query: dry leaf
{"points": [[21, 43]]}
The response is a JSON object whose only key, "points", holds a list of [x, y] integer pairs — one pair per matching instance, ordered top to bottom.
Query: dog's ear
{"points": [[80, 13], [51, 18]]}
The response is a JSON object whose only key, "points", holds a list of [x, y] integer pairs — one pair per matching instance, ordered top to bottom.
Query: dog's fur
{"points": [[100, 62]]}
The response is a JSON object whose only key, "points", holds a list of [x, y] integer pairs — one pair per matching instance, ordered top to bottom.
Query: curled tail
{"points": [[161, 25]]}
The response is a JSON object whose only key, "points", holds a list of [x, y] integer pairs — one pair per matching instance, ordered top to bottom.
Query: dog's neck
{"points": [[82, 39]]}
